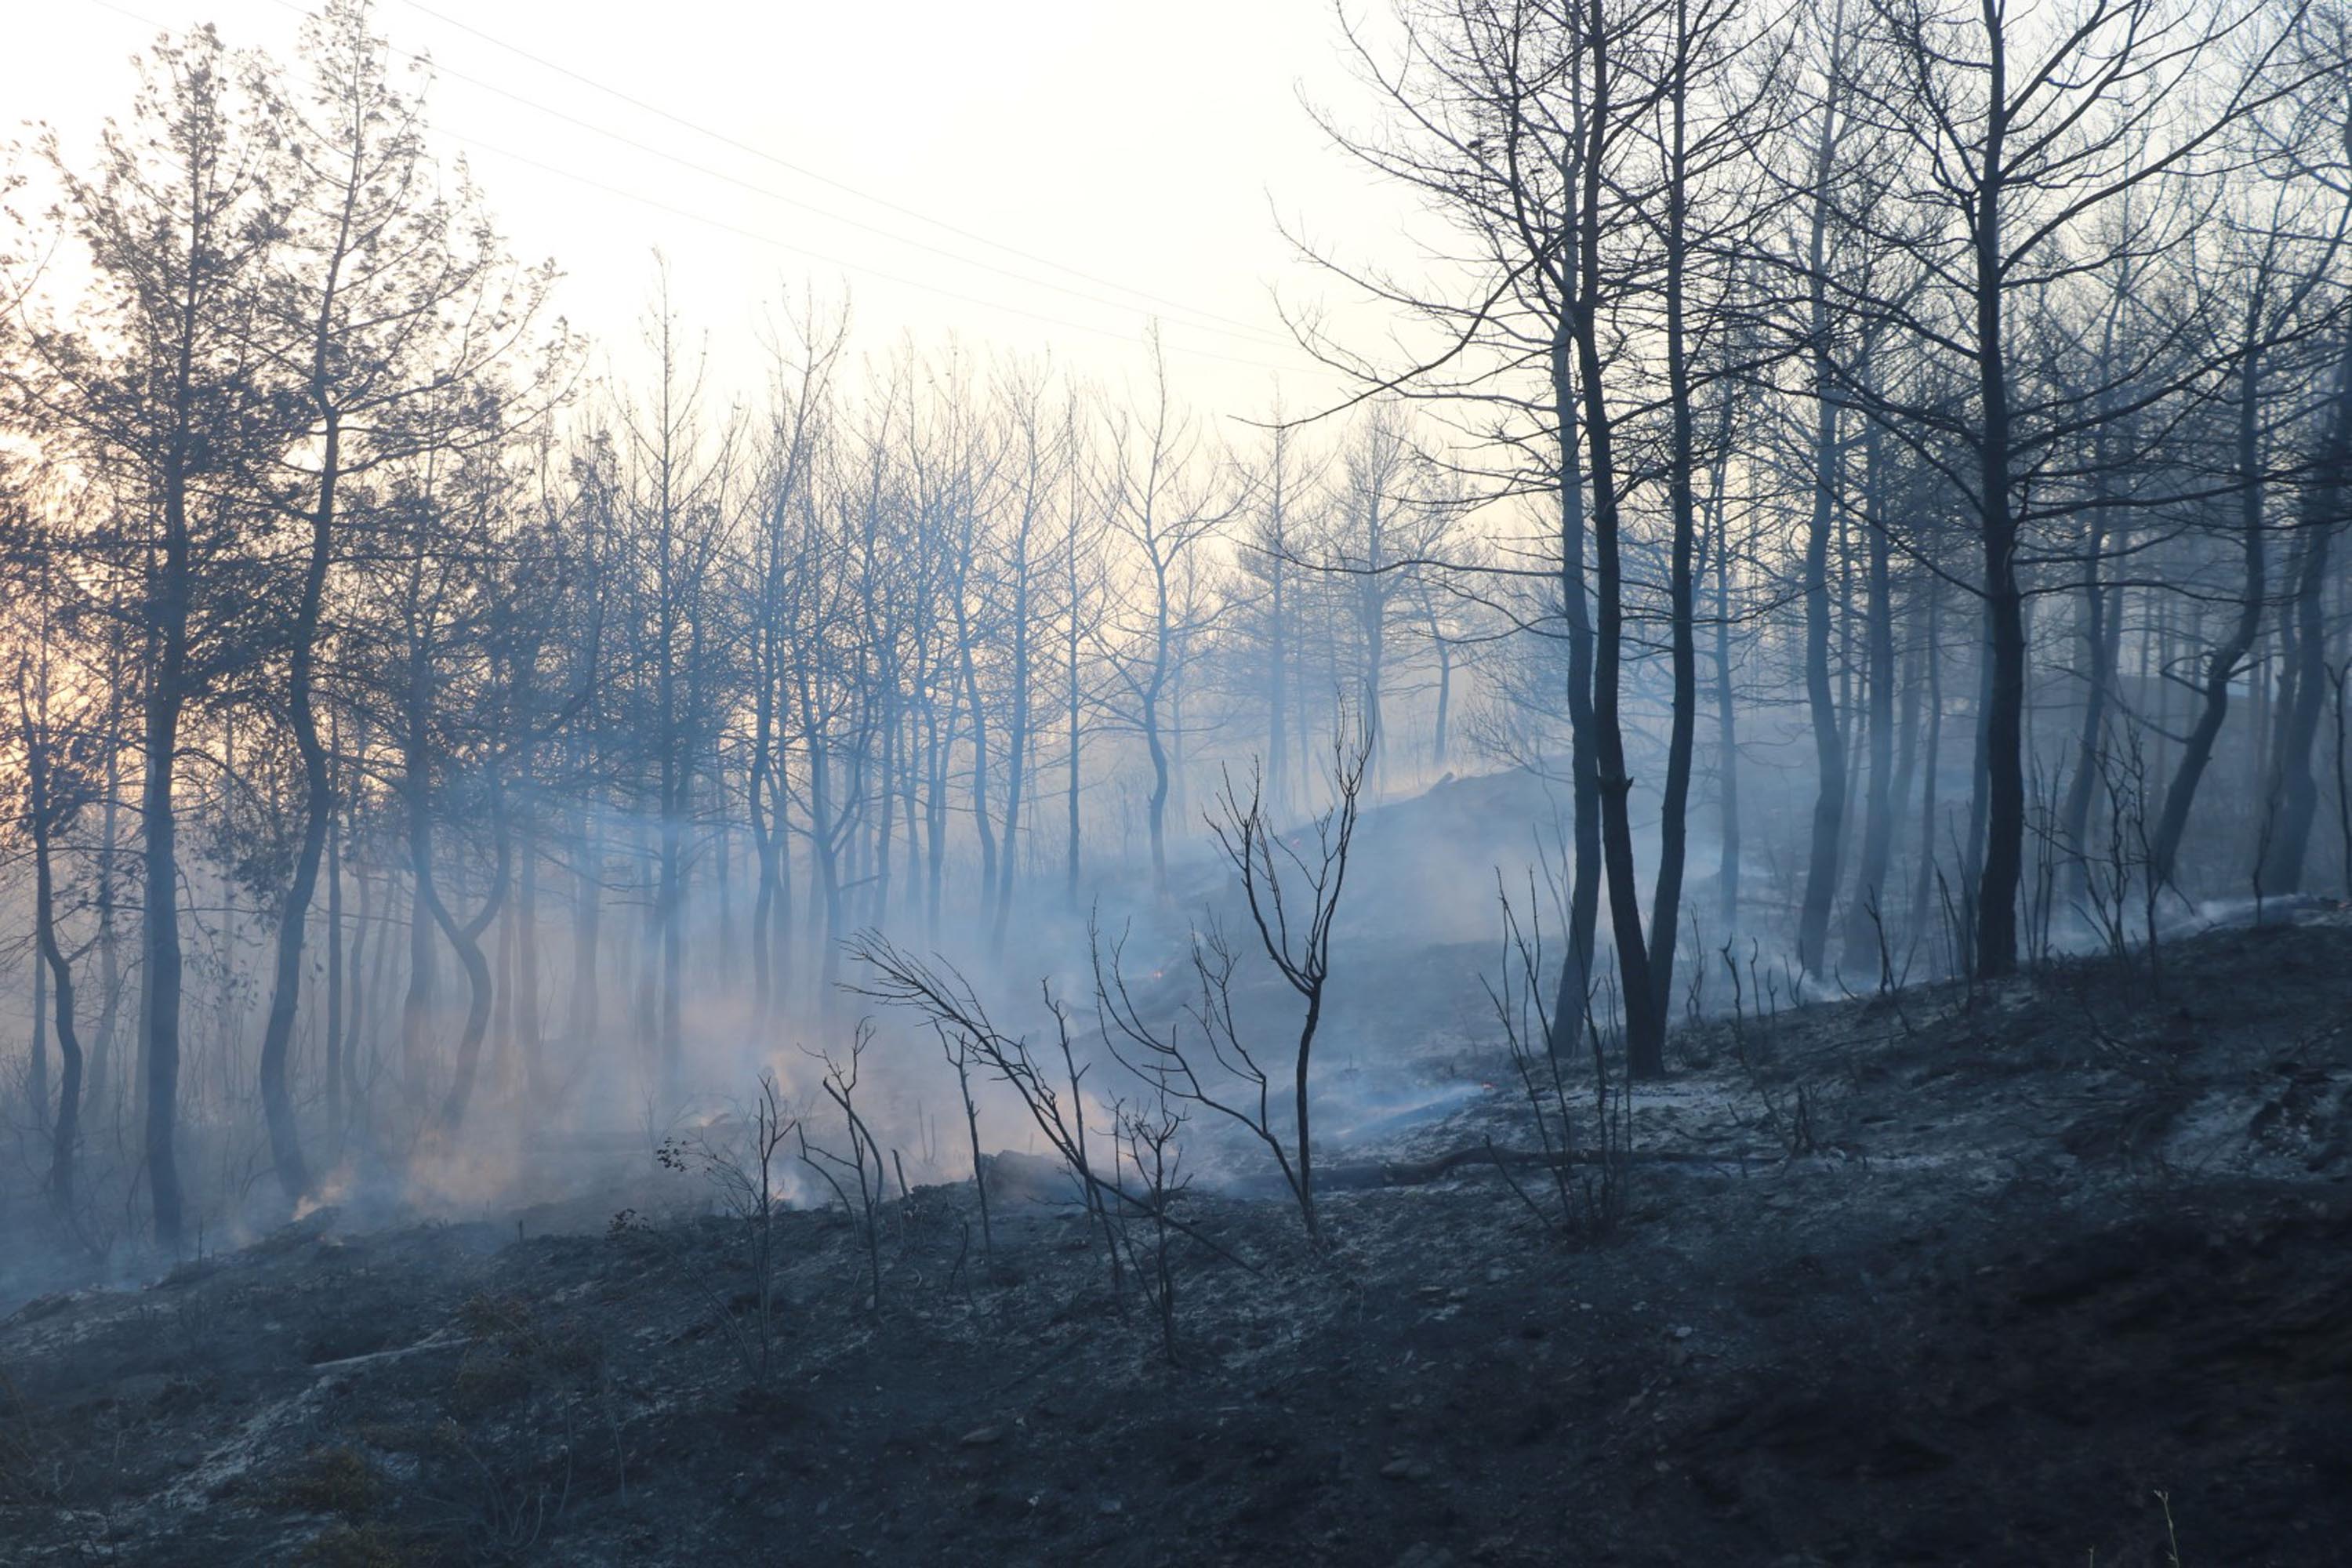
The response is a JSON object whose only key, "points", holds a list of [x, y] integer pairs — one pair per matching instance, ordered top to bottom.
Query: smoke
{"points": [[566, 1133]]}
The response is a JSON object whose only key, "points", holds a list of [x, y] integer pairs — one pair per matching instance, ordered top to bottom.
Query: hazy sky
{"points": [[1132, 157]]}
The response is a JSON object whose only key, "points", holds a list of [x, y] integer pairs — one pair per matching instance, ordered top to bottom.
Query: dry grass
{"points": [[338, 1481]]}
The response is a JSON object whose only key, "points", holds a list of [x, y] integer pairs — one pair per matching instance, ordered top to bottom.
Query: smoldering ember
{"points": [[1423, 782]]}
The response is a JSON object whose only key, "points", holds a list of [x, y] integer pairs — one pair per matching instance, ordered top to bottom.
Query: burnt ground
{"points": [[1968, 1279]]}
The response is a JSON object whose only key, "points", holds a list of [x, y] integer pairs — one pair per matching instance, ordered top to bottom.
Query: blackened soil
{"points": [[2015, 1277]]}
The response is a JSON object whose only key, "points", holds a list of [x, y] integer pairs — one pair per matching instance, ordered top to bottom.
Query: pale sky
{"points": [[1138, 155]]}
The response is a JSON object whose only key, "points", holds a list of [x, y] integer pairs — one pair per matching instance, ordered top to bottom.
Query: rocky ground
{"points": [[2059, 1272]]}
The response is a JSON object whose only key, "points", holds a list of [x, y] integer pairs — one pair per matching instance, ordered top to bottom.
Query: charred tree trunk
{"points": [[2327, 502], [2102, 633], [2229, 654], [166, 696], [1726, 719], [1017, 739], [2000, 745], [1830, 763], [45, 811], [318, 813], [766, 827], [1828, 835], [1923, 884], [1665, 903], [1864, 914], [466, 938], [109, 961], [416, 1002], [1572, 1004], [356, 1007], [581, 1023], [528, 1030], [1645, 1030], [332, 1035]]}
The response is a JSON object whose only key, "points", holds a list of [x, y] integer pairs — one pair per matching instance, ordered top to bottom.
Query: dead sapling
{"points": [[2340, 677], [2134, 797], [2107, 881], [1293, 896], [1890, 980], [962, 1054], [1049, 1092], [1051, 1096], [1788, 1117], [1149, 1139], [738, 1157], [863, 1168], [1589, 1184], [747, 1188]]}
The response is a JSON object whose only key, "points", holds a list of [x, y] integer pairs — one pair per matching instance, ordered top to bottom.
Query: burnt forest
{"points": [[1413, 783]]}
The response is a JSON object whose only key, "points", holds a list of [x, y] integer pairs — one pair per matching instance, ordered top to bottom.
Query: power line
{"points": [[823, 179], [756, 235], [759, 238], [1257, 336]]}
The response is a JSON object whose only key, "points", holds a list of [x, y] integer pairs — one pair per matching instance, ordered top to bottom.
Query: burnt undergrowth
{"points": [[1977, 1275]]}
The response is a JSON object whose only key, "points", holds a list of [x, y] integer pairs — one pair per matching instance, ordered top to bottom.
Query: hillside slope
{"points": [[1953, 1277]]}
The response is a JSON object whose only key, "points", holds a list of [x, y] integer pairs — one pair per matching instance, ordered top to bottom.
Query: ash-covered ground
{"points": [[2058, 1271]]}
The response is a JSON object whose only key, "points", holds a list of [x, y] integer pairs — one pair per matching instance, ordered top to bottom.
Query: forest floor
{"points": [[2007, 1275]]}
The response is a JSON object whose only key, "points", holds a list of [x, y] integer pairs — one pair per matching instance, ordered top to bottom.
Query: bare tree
{"points": [[2022, 136], [159, 381], [1158, 509], [1294, 926]]}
